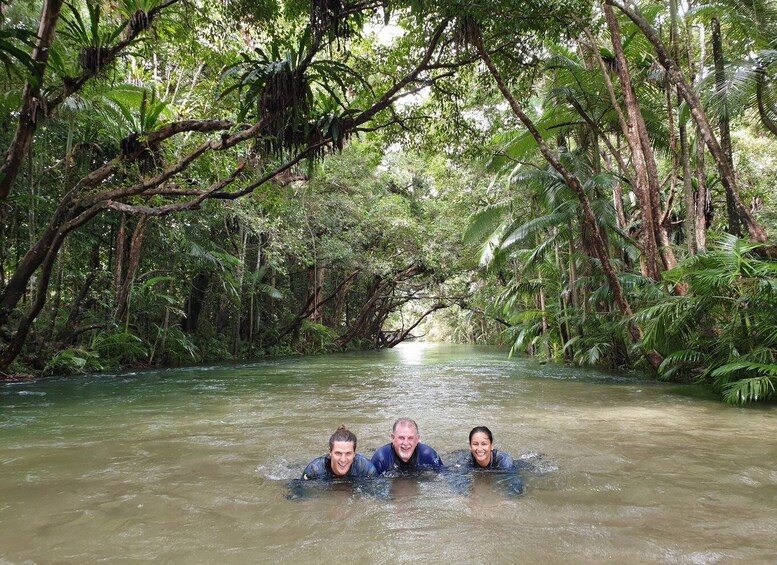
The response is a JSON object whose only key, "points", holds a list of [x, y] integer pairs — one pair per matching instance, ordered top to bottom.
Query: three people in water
{"points": [[406, 453]]}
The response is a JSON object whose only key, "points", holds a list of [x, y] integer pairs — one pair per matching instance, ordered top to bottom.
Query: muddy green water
{"points": [[192, 466]]}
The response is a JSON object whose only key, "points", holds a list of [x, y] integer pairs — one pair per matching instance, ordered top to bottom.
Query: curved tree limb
{"points": [[34, 106], [589, 218]]}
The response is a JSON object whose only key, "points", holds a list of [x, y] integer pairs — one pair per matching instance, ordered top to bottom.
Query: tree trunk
{"points": [[690, 97], [33, 106], [646, 186], [688, 196], [703, 202], [589, 219], [734, 223], [121, 241], [133, 261], [241, 270]]}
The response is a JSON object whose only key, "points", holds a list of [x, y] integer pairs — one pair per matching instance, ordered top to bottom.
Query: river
{"points": [[194, 465]]}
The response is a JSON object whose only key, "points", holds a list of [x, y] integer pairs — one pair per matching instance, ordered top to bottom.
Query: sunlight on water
{"points": [[198, 465]]}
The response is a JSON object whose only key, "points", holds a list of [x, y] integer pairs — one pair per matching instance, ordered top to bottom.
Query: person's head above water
{"points": [[342, 434], [404, 438], [481, 444], [342, 450]]}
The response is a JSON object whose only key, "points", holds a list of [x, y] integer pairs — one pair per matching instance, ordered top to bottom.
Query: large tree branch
{"points": [[393, 93], [35, 107], [403, 334]]}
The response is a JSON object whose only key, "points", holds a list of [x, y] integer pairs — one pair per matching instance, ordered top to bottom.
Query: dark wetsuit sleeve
{"points": [[428, 458], [383, 459], [503, 461], [362, 467], [316, 469]]}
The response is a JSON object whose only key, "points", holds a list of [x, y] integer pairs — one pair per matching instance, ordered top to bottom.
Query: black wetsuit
{"points": [[424, 457], [499, 460], [501, 463], [321, 468]]}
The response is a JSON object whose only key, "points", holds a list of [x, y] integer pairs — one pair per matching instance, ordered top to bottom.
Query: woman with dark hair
{"points": [[482, 453], [483, 456]]}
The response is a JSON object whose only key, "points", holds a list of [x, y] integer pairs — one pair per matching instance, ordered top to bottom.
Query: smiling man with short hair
{"points": [[405, 452]]}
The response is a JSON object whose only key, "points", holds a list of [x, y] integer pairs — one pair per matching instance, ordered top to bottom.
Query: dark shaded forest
{"points": [[590, 183]]}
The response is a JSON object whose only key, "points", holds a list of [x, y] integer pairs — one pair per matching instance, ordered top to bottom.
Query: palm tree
{"points": [[724, 331]]}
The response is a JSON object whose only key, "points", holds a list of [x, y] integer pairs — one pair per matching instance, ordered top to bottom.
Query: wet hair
{"points": [[406, 421], [481, 430], [342, 434]]}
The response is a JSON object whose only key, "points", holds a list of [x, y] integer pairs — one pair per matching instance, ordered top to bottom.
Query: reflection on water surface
{"points": [[194, 465]]}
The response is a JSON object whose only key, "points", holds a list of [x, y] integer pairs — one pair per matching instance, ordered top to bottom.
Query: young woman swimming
{"points": [[483, 456]]}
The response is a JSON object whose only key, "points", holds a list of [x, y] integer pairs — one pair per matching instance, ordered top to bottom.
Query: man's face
{"points": [[404, 439], [342, 455]]}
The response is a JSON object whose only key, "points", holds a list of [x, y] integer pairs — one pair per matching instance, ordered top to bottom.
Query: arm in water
{"points": [[501, 470], [371, 487]]}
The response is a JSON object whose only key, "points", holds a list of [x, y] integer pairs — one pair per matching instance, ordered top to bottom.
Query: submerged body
{"points": [[483, 457], [423, 458]]}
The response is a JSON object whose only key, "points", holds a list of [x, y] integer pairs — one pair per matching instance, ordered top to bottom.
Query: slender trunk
{"points": [[690, 97], [32, 108], [646, 182], [688, 197], [617, 201], [703, 203], [589, 218], [734, 224], [121, 241], [136, 244], [241, 270], [563, 299], [56, 303], [253, 312], [544, 316]]}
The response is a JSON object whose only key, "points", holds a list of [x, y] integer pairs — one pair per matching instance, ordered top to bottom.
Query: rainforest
{"points": [[589, 183]]}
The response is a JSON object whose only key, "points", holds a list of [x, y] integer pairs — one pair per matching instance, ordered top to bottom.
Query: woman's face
{"points": [[481, 447]]}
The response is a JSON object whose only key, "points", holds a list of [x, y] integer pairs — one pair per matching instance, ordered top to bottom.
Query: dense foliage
{"points": [[195, 181]]}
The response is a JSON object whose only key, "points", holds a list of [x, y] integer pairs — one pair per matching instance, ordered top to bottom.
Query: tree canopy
{"points": [[192, 181]]}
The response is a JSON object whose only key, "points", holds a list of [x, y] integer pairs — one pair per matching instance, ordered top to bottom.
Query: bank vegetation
{"points": [[195, 181]]}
